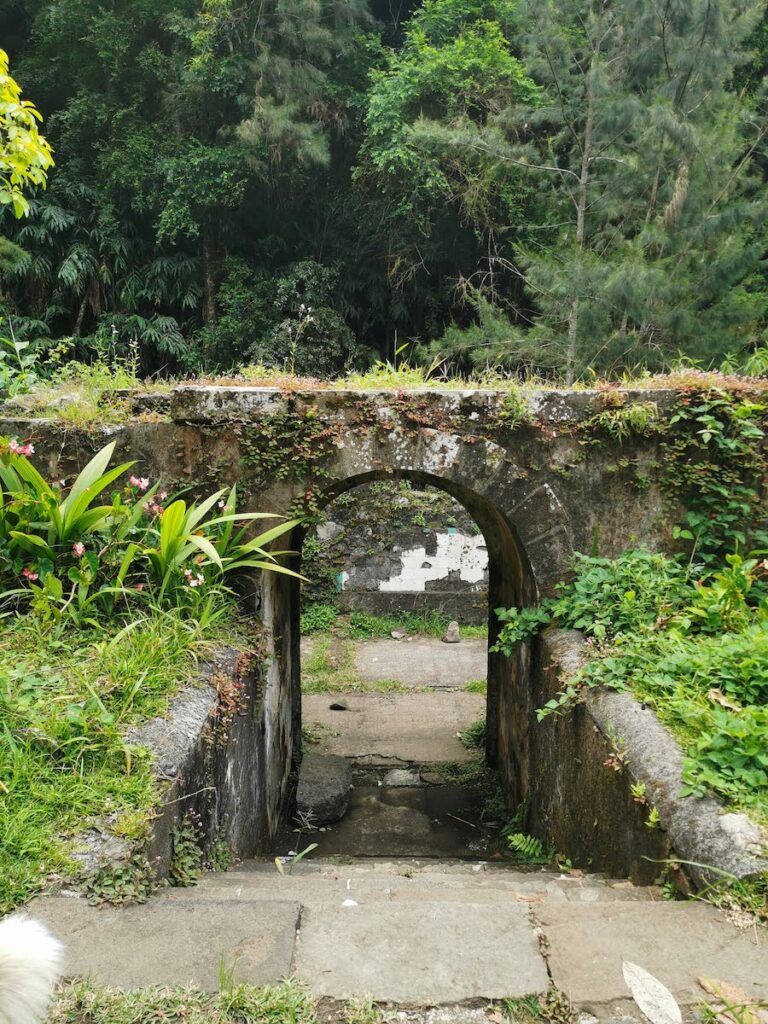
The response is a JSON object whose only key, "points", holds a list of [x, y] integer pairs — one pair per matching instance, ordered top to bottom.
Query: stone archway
{"points": [[537, 470], [525, 531]]}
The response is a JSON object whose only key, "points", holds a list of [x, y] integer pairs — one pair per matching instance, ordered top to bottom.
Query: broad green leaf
{"points": [[198, 512], [172, 526], [207, 548]]}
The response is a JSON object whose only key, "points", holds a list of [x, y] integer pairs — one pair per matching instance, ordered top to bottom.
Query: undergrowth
{"points": [[362, 626], [692, 644], [330, 664], [331, 668], [67, 698], [85, 1003]]}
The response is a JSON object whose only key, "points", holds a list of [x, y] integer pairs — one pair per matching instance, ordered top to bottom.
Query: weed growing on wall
{"points": [[623, 421], [289, 446], [713, 465], [690, 643], [186, 857]]}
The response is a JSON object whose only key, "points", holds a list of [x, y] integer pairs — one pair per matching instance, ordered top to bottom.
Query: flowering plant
{"points": [[137, 547]]}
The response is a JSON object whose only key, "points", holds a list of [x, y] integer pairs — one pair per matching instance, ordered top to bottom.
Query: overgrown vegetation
{"points": [[494, 182], [111, 594], [363, 626], [687, 633], [691, 644], [330, 664], [331, 668], [68, 694], [86, 1003], [287, 1003]]}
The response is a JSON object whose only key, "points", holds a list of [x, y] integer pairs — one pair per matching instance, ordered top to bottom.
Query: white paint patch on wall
{"points": [[456, 552]]}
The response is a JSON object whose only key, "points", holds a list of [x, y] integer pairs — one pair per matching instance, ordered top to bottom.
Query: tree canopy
{"points": [[25, 156], [568, 186]]}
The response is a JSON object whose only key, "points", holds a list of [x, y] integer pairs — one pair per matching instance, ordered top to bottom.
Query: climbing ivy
{"points": [[288, 446], [713, 466]]}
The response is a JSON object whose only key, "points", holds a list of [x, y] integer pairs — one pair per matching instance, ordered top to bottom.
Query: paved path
{"points": [[423, 661], [394, 728], [398, 728], [412, 933]]}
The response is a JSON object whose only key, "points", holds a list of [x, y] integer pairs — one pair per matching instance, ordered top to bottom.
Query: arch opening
{"points": [[510, 582]]}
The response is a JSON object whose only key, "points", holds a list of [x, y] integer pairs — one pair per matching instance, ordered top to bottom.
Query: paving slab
{"points": [[423, 661], [395, 728], [317, 881], [173, 942], [676, 942], [430, 953], [438, 1015]]}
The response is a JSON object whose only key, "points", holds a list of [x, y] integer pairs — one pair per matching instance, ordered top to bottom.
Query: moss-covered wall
{"points": [[541, 473], [388, 546]]}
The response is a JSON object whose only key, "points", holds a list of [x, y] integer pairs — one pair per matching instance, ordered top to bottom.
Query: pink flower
{"points": [[21, 449], [139, 481], [161, 495], [79, 549], [29, 574], [194, 579]]}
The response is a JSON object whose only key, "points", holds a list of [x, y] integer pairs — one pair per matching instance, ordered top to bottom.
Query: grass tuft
{"points": [[84, 1003]]}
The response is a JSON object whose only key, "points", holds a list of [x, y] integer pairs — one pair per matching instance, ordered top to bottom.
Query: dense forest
{"points": [[562, 187]]}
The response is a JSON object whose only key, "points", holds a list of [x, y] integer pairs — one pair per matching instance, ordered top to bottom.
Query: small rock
{"points": [[398, 634], [452, 635], [339, 705], [402, 777], [322, 795], [744, 832], [587, 1018]]}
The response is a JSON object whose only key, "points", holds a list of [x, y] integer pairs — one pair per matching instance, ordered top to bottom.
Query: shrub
{"points": [[62, 553]]}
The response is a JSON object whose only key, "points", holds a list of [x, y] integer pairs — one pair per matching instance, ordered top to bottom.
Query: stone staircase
{"points": [[411, 933]]}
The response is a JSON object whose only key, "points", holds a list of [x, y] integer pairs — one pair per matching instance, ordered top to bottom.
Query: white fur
{"points": [[30, 964]]}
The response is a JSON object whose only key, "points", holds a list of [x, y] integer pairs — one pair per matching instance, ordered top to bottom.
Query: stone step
{"points": [[340, 882], [451, 932]]}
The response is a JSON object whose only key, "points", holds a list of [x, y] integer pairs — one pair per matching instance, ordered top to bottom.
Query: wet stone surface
{"points": [[401, 821]]}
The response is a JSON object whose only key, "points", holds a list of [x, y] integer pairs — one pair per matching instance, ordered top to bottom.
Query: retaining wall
{"points": [[583, 765]]}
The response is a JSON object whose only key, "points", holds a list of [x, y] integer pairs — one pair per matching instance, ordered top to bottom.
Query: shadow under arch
{"points": [[511, 582]]}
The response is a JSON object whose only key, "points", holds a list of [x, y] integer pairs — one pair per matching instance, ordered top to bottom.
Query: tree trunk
{"points": [[581, 220], [209, 274], [77, 329]]}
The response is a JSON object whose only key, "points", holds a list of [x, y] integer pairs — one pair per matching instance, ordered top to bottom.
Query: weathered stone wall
{"points": [[537, 471], [387, 546], [220, 759], [583, 765]]}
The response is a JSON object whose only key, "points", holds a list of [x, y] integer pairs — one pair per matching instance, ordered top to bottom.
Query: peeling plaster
{"points": [[456, 553]]}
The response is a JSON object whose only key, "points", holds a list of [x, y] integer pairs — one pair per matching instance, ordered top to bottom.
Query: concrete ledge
{"points": [[201, 403], [210, 760], [595, 798], [700, 829]]}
